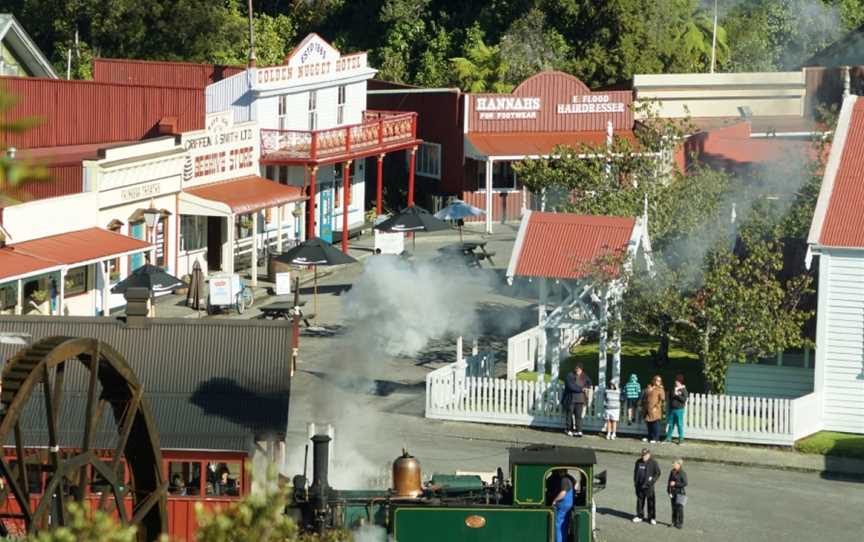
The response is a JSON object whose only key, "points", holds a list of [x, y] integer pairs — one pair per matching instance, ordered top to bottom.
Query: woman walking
{"points": [[677, 402], [612, 407], [652, 408], [677, 492]]}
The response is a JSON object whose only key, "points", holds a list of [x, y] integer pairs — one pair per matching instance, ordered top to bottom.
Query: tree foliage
{"points": [[483, 68]]}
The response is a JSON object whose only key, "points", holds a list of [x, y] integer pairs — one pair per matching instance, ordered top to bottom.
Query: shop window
{"points": [[340, 108], [313, 110], [428, 160], [269, 172], [503, 176], [244, 226], [137, 231], [193, 232], [160, 239], [114, 265], [77, 281], [8, 296], [184, 478], [35, 479], [223, 480], [99, 484]]}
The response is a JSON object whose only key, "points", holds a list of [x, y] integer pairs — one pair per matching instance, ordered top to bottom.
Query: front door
{"points": [[325, 215], [136, 230], [214, 243]]}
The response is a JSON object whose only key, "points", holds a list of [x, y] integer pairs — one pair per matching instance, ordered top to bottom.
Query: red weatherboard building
{"points": [[471, 140]]}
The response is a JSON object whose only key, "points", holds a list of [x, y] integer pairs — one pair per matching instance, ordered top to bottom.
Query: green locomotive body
{"points": [[459, 508]]}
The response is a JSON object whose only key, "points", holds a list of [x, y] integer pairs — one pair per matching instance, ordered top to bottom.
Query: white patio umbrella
{"points": [[458, 210]]}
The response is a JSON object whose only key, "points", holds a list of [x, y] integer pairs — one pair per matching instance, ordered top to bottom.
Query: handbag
{"points": [[680, 499]]}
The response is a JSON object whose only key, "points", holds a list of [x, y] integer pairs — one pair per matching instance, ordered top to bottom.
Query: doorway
{"points": [[214, 243]]}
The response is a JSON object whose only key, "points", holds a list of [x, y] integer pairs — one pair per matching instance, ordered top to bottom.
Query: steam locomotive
{"points": [[456, 507]]}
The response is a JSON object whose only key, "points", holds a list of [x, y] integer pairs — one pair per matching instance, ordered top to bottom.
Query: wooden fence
{"points": [[451, 395]]}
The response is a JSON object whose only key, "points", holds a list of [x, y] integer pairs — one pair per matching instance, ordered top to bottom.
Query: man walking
{"points": [[575, 385], [645, 475]]}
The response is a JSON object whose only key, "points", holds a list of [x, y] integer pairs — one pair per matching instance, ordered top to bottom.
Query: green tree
{"points": [[530, 46], [483, 68], [13, 169], [85, 525]]}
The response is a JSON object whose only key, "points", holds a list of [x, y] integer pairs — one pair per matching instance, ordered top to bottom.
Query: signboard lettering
{"points": [[283, 74], [590, 103], [507, 107], [222, 151], [142, 191]]}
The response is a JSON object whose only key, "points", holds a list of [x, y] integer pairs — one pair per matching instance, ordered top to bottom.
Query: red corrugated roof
{"points": [[537, 143], [248, 194], [843, 225], [557, 245], [65, 249]]}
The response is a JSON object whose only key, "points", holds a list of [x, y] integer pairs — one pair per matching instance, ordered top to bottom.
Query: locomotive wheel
{"points": [[109, 384]]}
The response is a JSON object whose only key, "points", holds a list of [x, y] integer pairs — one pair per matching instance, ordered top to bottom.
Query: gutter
{"points": [[415, 91]]}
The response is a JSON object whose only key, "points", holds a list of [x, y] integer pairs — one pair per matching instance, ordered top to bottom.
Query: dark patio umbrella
{"points": [[413, 219], [314, 252], [148, 276]]}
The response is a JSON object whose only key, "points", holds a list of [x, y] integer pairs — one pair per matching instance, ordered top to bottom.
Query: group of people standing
{"points": [[652, 401], [645, 475]]}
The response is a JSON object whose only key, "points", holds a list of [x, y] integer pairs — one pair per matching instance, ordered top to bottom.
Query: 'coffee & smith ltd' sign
{"points": [[221, 151]]}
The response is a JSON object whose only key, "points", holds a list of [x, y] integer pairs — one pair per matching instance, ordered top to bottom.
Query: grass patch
{"points": [[636, 358], [829, 443]]}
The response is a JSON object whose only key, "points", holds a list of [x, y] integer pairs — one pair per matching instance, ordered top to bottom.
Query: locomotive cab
{"points": [[532, 471]]}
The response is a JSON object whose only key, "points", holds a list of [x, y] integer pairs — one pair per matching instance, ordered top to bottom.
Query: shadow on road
{"points": [[335, 289], [369, 386], [614, 513]]}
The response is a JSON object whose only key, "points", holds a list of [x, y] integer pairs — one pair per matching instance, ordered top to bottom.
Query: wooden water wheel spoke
{"points": [[52, 363], [53, 445], [12, 484]]}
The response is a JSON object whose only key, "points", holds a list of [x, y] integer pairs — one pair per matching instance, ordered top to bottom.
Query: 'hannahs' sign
{"points": [[550, 102]]}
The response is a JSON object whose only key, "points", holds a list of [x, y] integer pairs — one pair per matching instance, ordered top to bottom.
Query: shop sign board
{"points": [[314, 59], [550, 102], [223, 150]]}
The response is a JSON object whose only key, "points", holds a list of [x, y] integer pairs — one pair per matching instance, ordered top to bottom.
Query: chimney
{"points": [[847, 83], [136, 307]]}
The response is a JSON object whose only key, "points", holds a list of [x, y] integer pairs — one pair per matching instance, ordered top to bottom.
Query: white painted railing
{"points": [[522, 348], [522, 352], [450, 395], [807, 415]]}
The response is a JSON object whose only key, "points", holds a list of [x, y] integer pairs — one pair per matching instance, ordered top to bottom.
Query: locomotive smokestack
{"points": [[320, 460]]}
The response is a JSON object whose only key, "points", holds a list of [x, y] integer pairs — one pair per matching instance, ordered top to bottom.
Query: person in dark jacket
{"points": [[576, 383], [677, 401], [645, 475], [675, 487]]}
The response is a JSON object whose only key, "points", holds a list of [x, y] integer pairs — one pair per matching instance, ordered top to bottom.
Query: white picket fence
{"points": [[522, 348], [451, 395]]}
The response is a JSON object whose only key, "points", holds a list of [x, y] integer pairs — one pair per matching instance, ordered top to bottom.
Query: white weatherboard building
{"points": [[314, 126], [837, 238]]}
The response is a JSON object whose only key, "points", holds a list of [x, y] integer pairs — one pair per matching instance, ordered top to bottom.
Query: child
{"points": [[632, 392], [612, 406]]}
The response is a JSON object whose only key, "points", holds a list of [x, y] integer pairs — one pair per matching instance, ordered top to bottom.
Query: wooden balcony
{"points": [[380, 132]]}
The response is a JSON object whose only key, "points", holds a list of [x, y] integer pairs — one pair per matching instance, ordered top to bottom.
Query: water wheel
{"points": [[94, 443]]}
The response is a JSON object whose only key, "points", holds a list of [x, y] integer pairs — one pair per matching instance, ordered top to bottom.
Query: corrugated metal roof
{"points": [[163, 73], [125, 112], [537, 143], [248, 194], [843, 225], [557, 245], [65, 249], [210, 384]]}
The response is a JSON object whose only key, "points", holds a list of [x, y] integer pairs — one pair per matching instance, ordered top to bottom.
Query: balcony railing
{"points": [[379, 130]]}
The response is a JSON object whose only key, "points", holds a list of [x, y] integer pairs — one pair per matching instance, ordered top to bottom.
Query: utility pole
{"points": [[713, 39], [252, 60]]}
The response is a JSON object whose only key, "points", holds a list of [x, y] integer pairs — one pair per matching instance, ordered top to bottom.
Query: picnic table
{"points": [[477, 251], [284, 309]]}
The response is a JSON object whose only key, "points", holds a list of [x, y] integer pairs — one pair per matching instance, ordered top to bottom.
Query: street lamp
{"points": [[151, 217]]}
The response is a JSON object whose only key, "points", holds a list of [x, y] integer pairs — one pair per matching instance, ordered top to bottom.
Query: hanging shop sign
{"points": [[223, 150]]}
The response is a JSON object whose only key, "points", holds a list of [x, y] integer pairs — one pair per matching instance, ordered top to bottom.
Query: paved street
{"points": [[377, 407]]}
